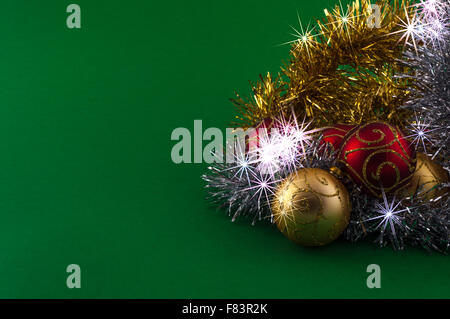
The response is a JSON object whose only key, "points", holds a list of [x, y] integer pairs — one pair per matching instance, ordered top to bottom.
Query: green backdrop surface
{"points": [[86, 175]]}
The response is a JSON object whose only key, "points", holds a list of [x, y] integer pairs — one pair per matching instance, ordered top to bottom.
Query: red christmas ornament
{"points": [[335, 134], [377, 156]]}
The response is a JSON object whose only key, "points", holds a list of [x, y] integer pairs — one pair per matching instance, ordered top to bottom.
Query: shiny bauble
{"points": [[334, 135], [378, 157], [426, 179], [311, 207]]}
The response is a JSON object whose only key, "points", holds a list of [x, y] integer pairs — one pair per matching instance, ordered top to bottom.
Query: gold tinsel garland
{"points": [[343, 74]]}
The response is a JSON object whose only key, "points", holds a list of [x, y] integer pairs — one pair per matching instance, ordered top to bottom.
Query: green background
{"points": [[86, 175]]}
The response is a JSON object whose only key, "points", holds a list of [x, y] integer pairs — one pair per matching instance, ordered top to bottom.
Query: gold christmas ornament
{"points": [[426, 179], [311, 207]]}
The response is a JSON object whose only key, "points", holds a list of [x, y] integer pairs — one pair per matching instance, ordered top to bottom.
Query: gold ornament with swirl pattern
{"points": [[426, 179], [311, 207]]}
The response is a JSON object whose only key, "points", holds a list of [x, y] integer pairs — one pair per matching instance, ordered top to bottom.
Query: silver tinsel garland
{"points": [[431, 98], [244, 191], [413, 221], [400, 222]]}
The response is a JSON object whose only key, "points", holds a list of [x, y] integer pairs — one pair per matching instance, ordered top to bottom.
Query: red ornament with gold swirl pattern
{"points": [[334, 135], [378, 157]]}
